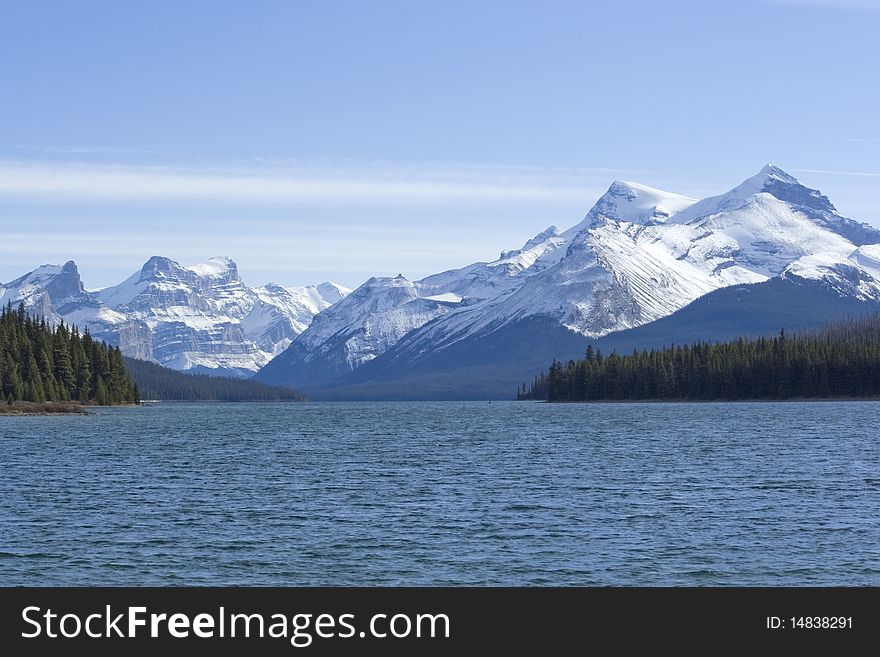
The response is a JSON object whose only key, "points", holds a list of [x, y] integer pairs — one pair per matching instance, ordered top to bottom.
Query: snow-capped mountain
{"points": [[639, 254], [39, 288], [57, 293], [201, 317]]}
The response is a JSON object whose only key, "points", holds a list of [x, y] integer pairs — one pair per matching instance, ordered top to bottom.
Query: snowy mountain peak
{"points": [[773, 172], [770, 179], [773, 180], [773, 185], [787, 188], [624, 189], [634, 203], [541, 237], [533, 248], [639, 255], [69, 267], [158, 267], [217, 267], [216, 270], [44, 271], [47, 273], [60, 282], [67, 282], [384, 283], [47, 290], [332, 292], [327, 293], [200, 318]]}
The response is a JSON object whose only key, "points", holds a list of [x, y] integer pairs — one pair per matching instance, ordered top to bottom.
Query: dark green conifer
{"points": [[841, 360], [39, 363]]}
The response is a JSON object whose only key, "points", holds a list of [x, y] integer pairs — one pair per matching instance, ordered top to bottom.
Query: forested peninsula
{"points": [[841, 360], [55, 369]]}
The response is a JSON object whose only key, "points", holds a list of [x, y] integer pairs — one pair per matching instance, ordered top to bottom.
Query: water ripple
{"points": [[443, 494]]}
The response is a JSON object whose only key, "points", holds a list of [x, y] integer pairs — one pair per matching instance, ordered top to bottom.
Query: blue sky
{"points": [[339, 140]]}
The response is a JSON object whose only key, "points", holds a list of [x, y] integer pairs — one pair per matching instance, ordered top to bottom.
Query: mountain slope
{"points": [[639, 255], [383, 310], [491, 365], [155, 382]]}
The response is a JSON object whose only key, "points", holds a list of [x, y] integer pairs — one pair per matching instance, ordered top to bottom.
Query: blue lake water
{"points": [[443, 493]]}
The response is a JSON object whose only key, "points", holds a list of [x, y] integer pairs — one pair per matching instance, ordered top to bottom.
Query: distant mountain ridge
{"points": [[639, 261], [200, 318], [490, 365]]}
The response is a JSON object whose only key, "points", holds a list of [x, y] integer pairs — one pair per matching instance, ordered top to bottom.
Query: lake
{"points": [[448, 493]]}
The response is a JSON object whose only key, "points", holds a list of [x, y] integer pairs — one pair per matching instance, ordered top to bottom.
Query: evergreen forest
{"points": [[840, 360], [41, 363], [161, 383]]}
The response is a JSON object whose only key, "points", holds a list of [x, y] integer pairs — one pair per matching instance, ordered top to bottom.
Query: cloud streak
{"points": [[870, 5], [86, 150], [861, 174], [49, 182]]}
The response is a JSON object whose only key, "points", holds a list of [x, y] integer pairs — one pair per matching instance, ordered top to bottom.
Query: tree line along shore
{"points": [[841, 360], [40, 363], [46, 369]]}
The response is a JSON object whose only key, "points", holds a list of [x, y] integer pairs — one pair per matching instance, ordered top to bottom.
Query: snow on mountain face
{"points": [[774, 182], [635, 203], [639, 254], [217, 267], [623, 271], [856, 275], [485, 280], [39, 288], [56, 293], [381, 311], [281, 313], [378, 313], [202, 316]]}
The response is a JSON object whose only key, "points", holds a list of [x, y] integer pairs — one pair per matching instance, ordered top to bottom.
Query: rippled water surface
{"points": [[444, 493]]}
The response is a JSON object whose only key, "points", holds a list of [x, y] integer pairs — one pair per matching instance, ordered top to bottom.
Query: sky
{"points": [[337, 140]]}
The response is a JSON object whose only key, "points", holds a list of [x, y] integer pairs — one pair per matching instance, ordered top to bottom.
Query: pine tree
{"points": [[41, 363]]}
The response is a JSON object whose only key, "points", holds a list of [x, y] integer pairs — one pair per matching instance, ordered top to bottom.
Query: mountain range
{"points": [[640, 255], [643, 268], [200, 318]]}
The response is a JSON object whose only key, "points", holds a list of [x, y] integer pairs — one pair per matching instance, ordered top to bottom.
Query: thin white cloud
{"points": [[871, 5], [87, 150], [863, 174], [120, 183], [260, 257]]}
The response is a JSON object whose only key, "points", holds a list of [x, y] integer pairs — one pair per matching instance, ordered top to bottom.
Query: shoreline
{"points": [[790, 400], [22, 409], [32, 409]]}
